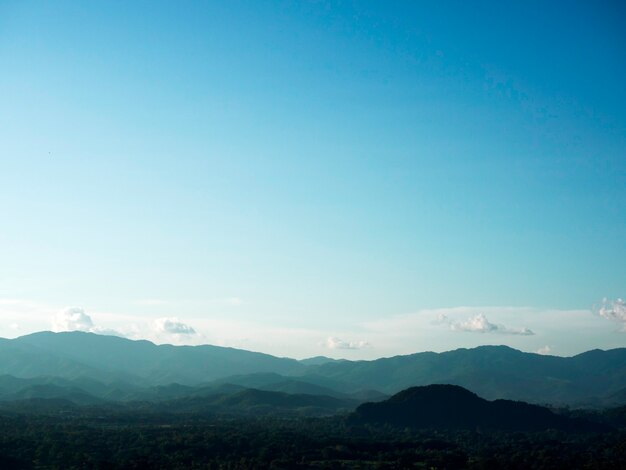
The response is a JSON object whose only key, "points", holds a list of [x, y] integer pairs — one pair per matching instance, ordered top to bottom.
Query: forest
{"points": [[45, 434]]}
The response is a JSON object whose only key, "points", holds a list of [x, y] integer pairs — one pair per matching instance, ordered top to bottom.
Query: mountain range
{"points": [[89, 368]]}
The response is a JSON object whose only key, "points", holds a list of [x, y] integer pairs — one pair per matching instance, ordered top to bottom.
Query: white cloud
{"points": [[614, 311], [72, 319], [75, 319], [479, 324], [173, 326], [336, 343], [544, 350]]}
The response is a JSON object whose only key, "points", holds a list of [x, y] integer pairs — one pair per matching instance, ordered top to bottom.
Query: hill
{"points": [[453, 407]]}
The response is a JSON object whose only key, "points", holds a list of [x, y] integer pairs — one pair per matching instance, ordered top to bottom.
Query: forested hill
{"points": [[113, 368], [453, 407]]}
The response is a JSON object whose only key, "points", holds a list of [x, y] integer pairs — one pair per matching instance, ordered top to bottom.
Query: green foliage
{"points": [[108, 439]]}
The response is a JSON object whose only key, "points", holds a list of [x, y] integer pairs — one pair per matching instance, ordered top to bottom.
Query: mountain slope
{"points": [[74, 354], [115, 368], [494, 372]]}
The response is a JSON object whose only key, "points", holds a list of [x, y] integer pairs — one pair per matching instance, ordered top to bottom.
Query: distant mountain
{"points": [[107, 358], [24, 359], [318, 360], [117, 369], [494, 372], [280, 383], [309, 385], [51, 391], [79, 391], [272, 400], [222, 401], [251, 402], [453, 407]]}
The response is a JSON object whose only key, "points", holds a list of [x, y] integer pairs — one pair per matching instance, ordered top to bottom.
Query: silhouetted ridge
{"points": [[453, 407]]}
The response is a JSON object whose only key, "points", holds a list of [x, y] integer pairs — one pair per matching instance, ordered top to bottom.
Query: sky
{"points": [[349, 179]]}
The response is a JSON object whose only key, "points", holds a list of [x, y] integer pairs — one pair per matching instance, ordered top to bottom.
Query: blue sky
{"points": [[284, 175]]}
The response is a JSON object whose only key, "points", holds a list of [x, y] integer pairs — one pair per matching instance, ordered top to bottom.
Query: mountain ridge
{"points": [[593, 378]]}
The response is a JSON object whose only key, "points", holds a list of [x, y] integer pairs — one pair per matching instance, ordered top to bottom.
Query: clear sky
{"points": [[353, 179]]}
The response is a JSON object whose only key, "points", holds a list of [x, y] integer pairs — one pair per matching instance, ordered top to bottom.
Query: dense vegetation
{"points": [[94, 437]]}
